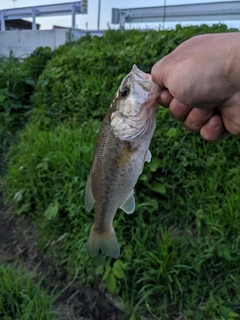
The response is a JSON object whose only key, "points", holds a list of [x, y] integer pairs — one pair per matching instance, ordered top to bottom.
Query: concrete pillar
{"points": [[73, 16], [122, 19], [2, 20], [34, 26]]}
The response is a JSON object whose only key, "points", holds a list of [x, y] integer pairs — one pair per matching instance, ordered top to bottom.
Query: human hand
{"points": [[200, 82]]}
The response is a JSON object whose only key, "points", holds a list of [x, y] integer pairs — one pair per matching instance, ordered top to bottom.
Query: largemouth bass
{"points": [[120, 153]]}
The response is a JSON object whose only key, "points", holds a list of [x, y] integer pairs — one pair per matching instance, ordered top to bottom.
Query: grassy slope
{"points": [[180, 249]]}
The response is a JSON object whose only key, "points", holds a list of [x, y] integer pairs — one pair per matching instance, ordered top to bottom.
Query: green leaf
{"points": [[31, 82], [2, 98], [173, 133], [154, 164], [143, 177], [158, 187], [18, 196], [24, 208], [52, 210], [128, 253], [99, 260], [117, 269], [99, 270], [106, 273], [111, 282], [188, 313], [228, 313], [233, 315]]}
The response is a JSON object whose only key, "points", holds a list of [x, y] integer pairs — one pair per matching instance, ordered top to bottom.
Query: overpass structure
{"points": [[68, 8], [211, 11]]}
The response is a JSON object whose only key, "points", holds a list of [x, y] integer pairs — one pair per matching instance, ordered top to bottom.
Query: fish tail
{"points": [[106, 241]]}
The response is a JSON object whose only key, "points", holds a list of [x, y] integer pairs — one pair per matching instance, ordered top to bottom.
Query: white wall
{"points": [[24, 42]]}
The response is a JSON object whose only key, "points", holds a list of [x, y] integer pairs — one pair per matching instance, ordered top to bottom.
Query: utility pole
{"points": [[14, 3], [99, 9]]}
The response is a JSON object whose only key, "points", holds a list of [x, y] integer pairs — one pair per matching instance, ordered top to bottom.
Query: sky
{"points": [[89, 21]]}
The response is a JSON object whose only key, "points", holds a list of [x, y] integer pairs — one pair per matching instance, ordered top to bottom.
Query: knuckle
{"points": [[178, 110]]}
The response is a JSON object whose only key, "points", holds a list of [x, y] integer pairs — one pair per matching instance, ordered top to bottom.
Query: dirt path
{"points": [[17, 243]]}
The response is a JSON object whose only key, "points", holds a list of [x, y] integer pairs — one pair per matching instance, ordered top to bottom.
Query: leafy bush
{"points": [[37, 61], [81, 79], [17, 82], [15, 92], [21, 298]]}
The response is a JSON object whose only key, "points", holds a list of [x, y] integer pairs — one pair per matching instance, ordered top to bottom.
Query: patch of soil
{"points": [[17, 244]]}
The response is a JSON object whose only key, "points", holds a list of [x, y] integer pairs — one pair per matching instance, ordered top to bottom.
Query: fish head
{"points": [[134, 106]]}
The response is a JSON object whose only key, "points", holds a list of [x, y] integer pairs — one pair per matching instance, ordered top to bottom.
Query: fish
{"points": [[121, 150]]}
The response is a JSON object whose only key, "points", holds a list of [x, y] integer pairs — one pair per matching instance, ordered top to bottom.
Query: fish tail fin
{"points": [[106, 241]]}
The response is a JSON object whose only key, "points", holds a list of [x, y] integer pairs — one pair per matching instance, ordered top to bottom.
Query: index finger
{"points": [[159, 74]]}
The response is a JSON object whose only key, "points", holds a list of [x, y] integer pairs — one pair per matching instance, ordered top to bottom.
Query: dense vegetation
{"points": [[180, 249], [23, 298]]}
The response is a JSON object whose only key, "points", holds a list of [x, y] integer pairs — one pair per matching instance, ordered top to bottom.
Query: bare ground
{"points": [[17, 244]]}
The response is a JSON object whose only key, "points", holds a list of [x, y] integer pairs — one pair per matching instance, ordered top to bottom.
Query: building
{"points": [[19, 24]]}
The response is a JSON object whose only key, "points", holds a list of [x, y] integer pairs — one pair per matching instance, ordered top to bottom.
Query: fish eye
{"points": [[124, 92]]}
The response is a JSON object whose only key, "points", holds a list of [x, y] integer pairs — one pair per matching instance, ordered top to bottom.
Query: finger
{"points": [[160, 72], [165, 98], [178, 110], [231, 117], [197, 118], [232, 126], [214, 129]]}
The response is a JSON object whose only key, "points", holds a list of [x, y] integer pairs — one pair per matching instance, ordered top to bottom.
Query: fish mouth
{"points": [[137, 73], [144, 81]]}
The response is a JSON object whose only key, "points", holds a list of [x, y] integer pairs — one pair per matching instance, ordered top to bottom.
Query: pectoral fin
{"points": [[148, 156], [89, 200], [129, 204]]}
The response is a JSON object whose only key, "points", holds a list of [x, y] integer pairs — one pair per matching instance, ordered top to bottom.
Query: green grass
{"points": [[46, 180], [179, 249], [180, 254], [21, 296]]}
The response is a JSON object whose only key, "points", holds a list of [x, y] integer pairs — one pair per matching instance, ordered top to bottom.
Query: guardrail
{"points": [[68, 8], [211, 11]]}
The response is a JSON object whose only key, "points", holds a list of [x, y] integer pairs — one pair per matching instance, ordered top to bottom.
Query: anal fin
{"points": [[129, 205]]}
